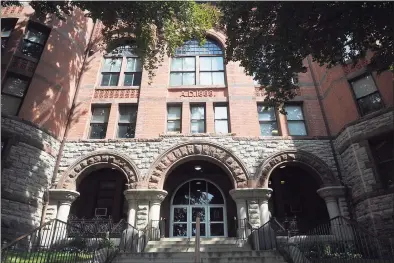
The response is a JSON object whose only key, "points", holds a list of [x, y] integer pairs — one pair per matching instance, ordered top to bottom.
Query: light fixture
{"points": [[282, 166], [197, 168], [198, 182], [282, 182]]}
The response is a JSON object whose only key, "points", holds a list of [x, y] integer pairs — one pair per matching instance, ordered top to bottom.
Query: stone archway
{"points": [[197, 149], [107, 158], [323, 173]]}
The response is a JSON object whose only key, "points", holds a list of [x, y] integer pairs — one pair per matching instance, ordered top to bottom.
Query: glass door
{"points": [[198, 198], [199, 211], [180, 222]]}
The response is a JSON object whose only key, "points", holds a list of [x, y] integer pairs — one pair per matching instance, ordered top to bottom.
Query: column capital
{"points": [[330, 192], [262, 194], [63, 195], [154, 195]]}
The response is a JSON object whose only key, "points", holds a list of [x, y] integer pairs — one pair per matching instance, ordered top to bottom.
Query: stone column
{"points": [[330, 195], [64, 198], [131, 198], [252, 203], [144, 205], [263, 205], [340, 227]]}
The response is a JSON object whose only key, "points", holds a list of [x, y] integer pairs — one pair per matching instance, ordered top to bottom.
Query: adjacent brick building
{"points": [[200, 122]]}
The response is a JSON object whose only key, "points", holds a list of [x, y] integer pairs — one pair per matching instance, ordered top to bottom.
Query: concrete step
{"points": [[218, 240], [211, 248], [210, 257]]}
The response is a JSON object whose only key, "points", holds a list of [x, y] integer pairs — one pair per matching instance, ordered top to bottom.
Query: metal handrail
{"points": [[28, 234], [197, 258]]}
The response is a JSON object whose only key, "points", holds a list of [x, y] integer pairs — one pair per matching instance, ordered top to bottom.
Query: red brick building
{"points": [[196, 139]]}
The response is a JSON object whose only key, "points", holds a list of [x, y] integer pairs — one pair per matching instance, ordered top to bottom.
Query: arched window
{"points": [[198, 65], [121, 67]]}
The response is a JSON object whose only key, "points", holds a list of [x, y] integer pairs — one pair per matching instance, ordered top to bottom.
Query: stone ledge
{"points": [[29, 123], [180, 135], [16, 197]]}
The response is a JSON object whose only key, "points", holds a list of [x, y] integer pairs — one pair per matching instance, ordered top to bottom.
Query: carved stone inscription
{"points": [[198, 93]]}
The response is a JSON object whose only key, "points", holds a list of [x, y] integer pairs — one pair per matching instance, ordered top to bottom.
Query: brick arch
{"points": [[217, 36], [197, 150], [100, 159], [312, 163]]}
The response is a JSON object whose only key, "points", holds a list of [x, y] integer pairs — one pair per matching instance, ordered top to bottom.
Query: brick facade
{"points": [[324, 93]]}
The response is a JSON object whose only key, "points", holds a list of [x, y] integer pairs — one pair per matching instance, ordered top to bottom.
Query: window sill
{"points": [[21, 55], [118, 87], [198, 87], [197, 134]]}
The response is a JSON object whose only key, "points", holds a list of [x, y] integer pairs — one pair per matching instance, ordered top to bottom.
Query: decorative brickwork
{"points": [[116, 93]]}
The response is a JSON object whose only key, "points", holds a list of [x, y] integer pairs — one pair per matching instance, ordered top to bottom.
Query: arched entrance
{"points": [[295, 177], [198, 188], [101, 195], [294, 196], [198, 198]]}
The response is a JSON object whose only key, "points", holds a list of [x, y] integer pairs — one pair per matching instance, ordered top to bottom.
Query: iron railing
{"points": [[93, 226], [122, 238], [95, 240], [338, 240], [51, 242]]}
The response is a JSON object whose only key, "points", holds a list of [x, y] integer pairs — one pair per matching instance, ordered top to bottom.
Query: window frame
{"points": [[7, 22], [38, 27], [123, 68], [197, 70], [102, 72], [125, 72], [28, 80], [356, 100], [170, 105], [197, 105], [301, 105], [93, 106], [135, 107], [227, 119], [276, 119]]}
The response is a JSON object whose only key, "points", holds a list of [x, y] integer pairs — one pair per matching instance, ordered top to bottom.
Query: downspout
{"points": [[319, 98], [65, 135]]}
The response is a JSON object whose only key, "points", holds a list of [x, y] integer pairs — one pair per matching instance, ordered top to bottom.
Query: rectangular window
{"points": [[7, 25], [34, 40], [111, 71], [183, 71], [211, 71], [133, 72], [12, 93], [367, 95], [174, 118], [197, 118], [221, 119], [295, 120], [127, 121], [267, 121], [99, 122], [382, 149]]}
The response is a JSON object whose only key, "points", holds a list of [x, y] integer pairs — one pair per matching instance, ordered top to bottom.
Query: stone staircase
{"points": [[213, 250]]}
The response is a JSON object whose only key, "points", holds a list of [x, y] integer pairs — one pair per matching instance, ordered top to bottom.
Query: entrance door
{"points": [[198, 198]]}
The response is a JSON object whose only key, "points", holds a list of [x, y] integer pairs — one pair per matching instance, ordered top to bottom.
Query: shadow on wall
{"points": [[31, 142]]}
